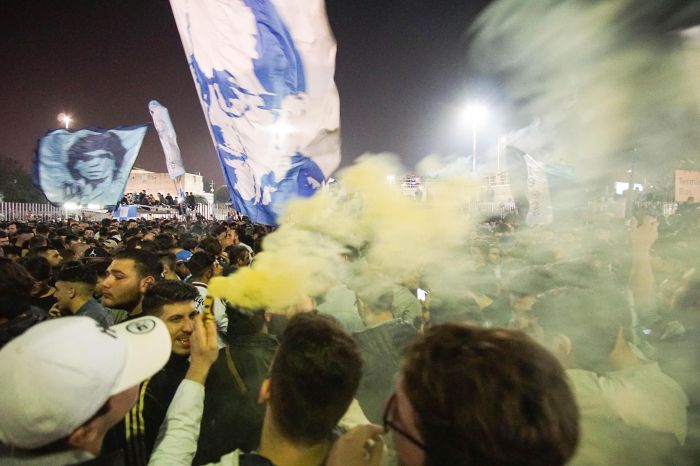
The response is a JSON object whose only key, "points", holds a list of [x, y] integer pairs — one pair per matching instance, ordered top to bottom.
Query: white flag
{"points": [[168, 138]]}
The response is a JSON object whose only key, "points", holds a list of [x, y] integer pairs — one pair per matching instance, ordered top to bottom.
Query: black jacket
{"points": [[381, 347], [232, 415], [136, 433]]}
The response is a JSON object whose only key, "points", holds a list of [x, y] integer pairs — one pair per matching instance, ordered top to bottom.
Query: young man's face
{"points": [[12, 229], [53, 257], [123, 288], [63, 294], [179, 318]]}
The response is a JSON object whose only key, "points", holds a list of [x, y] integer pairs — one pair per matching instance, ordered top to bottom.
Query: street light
{"points": [[474, 114], [65, 119]]}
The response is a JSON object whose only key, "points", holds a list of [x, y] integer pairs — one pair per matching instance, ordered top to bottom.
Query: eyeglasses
{"points": [[389, 423]]}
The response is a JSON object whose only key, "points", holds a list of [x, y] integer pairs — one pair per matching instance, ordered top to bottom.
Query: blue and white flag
{"points": [[264, 71], [168, 139], [87, 167]]}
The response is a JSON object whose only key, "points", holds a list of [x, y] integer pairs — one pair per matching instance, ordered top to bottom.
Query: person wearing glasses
{"points": [[94, 163], [470, 395]]}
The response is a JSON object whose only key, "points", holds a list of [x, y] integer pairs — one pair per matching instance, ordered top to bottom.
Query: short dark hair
{"points": [[108, 141], [216, 230], [70, 238], [165, 241], [37, 242], [188, 243], [211, 245], [236, 252], [146, 262], [199, 262], [37, 266], [77, 272], [15, 287], [167, 292], [591, 319], [244, 322], [313, 378], [489, 396]]}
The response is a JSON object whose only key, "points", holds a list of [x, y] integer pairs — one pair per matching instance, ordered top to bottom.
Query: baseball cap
{"points": [[183, 255], [59, 373]]}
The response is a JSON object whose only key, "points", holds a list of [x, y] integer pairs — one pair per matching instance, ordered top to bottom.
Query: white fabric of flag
{"points": [[264, 72], [168, 139], [540, 212]]}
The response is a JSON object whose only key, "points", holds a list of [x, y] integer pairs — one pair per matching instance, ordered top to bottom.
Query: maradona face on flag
{"points": [[264, 71], [88, 166]]}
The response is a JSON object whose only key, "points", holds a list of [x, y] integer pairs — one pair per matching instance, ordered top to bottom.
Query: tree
{"points": [[16, 183], [221, 195], [200, 199]]}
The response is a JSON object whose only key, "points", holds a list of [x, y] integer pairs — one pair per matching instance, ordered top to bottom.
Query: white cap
{"points": [[59, 373]]}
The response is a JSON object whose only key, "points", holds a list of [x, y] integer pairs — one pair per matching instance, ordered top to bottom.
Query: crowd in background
{"points": [[613, 378]]}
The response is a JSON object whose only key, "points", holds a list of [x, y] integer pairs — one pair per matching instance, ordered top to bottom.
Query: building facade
{"points": [[154, 183]]}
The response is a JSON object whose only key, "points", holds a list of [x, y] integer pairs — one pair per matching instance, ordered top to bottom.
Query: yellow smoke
{"points": [[398, 236]]}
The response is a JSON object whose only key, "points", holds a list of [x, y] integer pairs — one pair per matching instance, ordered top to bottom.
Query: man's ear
{"points": [[146, 283], [72, 292], [264, 394], [85, 437]]}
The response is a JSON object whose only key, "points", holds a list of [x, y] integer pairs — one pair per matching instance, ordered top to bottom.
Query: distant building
{"points": [[154, 183]]}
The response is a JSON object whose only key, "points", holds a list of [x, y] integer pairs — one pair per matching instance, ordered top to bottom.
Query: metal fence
{"points": [[26, 211]]}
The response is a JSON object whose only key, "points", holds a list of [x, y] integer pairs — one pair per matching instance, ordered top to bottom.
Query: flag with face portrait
{"points": [[264, 72], [168, 139], [88, 167]]}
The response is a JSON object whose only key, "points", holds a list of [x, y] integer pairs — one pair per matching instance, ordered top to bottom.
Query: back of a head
{"points": [[210, 245], [146, 262], [199, 263], [37, 266], [15, 287], [374, 289], [167, 292], [591, 319], [244, 322], [314, 376], [489, 396]]}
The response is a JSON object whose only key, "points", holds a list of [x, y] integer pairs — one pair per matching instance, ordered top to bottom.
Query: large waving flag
{"points": [[264, 71], [168, 139], [87, 167]]}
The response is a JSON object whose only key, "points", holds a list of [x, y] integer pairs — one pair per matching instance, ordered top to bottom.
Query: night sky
{"points": [[401, 68]]}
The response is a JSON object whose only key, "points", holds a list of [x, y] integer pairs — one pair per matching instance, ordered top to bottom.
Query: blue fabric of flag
{"points": [[264, 73], [87, 167]]}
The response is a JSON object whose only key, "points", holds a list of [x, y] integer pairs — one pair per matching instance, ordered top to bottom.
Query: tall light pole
{"points": [[474, 114]]}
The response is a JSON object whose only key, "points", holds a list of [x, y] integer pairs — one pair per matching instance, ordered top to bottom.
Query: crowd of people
{"points": [[159, 200], [570, 344]]}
